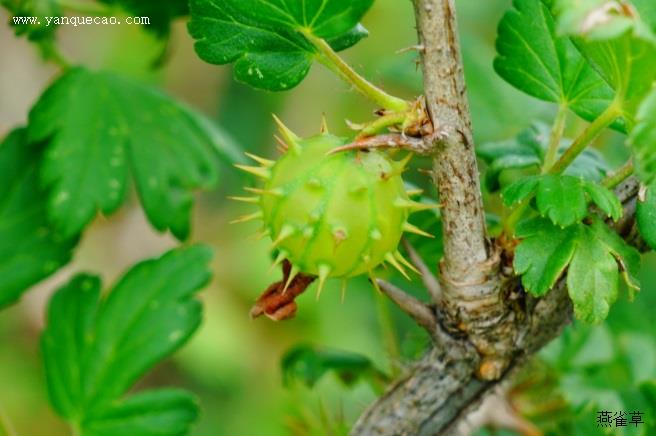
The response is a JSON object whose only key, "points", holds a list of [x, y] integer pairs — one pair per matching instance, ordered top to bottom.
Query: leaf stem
{"points": [[51, 52], [336, 64], [588, 135], [554, 140], [617, 177], [515, 216]]}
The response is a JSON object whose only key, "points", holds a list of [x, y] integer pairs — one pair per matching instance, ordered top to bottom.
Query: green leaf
{"points": [[160, 12], [264, 38], [617, 43], [535, 59], [101, 127], [643, 140], [527, 151], [562, 198], [646, 216], [30, 249], [543, 254], [594, 254], [592, 280], [95, 350], [308, 365], [154, 412]]}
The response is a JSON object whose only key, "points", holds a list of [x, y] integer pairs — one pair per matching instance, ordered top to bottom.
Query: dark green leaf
{"points": [[159, 12], [264, 38], [538, 61], [101, 127], [643, 140], [605, 199], [646, 216], [30, 249], [627, 256], [94, 350], [308, 365]]}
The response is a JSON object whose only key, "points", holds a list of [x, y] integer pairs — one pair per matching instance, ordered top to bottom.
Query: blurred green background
{"points": [[234, 364]]}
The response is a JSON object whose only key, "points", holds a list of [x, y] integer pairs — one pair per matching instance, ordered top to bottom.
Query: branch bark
{"points": [[486, 324], [437, 393]]}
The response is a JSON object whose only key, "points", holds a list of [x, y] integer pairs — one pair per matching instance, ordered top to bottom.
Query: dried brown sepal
{"points": [[277, 303]]}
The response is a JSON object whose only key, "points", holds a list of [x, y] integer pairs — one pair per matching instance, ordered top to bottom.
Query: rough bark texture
{"points": [[486, 324]]}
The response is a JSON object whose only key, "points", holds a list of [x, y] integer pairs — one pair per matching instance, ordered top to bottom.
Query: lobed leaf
{"points": [[265, 38], [617, 43], [534, 58], [100, 128], [562, 198], [30, 249], [594, 255], [94, 350]]}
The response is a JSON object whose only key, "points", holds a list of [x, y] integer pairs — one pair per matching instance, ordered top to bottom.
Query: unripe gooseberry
{"points": [[333, 214]]}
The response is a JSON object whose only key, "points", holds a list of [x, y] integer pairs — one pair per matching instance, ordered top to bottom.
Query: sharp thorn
{"points": [[324, 125], [290, 137], [282, 145], [262, 161], [403, 163], [263, 173], [276, 192], [413, 192], [253, 200], [414, 205], [247, 218], [407, 227], [285, 232], [260, 235], [282, 255], [389, 257], [405, 262], [324, 271], [292, 274], [374, 281]]}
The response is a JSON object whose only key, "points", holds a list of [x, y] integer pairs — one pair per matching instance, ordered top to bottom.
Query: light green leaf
{"points": [[264, 38], [618, 44], [535, 59], [100, 127], [643, 140], [520, 190], [563, 199], [605, 199], [646, 216], [30, 249], [543, 254], [594, 254], [592, 280], [94, 350], [153, 412]]}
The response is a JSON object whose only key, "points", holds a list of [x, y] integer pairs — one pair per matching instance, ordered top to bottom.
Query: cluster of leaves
{"points": [[596, 59], [89, 136]]}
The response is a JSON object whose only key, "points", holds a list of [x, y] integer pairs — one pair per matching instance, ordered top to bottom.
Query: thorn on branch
{"points": [[390, 140], [428, 278], [420, 312]]}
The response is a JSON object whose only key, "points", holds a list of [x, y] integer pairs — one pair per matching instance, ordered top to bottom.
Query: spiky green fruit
{"points": [[333, 215]]}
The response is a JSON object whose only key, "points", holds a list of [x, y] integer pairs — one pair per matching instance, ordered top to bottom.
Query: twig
{"points": [[417, 310]]}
